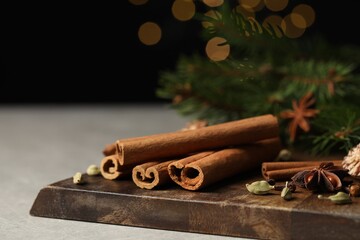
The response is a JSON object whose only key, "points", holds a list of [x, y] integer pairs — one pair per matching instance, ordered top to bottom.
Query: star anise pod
{"points": [[300, 114], [325, 178]]}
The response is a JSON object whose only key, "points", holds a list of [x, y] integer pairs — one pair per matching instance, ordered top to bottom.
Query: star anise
{"points": [[300, 114], [325, 178]]}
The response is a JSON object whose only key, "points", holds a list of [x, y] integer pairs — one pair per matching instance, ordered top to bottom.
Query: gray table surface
{"points": [[40, 145]]}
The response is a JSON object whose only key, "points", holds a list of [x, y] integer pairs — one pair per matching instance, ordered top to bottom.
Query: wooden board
{"points": [[226, 208]]}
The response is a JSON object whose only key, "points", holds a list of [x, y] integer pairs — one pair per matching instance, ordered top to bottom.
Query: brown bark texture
{"points": [[175, 144], [193, 174]]}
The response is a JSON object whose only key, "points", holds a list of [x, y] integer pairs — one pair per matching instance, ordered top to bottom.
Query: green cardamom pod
{"points": [[93, 170], [259, 187], [286, 192], [339, 198]]}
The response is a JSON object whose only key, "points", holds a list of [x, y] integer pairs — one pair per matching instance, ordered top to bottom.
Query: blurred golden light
{"points": [[138, 2], [213, 3], [255, 5], [276, 5], [183, 10], [246, 12], [306, 12], [213, 14], [298, 20], [275, 22], [290, 30], [149, 33], [215, 49]]}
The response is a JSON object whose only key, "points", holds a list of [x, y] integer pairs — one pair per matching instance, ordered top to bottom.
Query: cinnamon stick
{"points": [[173, 144], [110, 149], [216, 166], [176, 167], [111, 169], [281, 171], [151, 174]]}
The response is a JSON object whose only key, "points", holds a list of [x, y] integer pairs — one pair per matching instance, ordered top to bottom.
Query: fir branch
{"points": [[239, 30], [264, 74], [324, 79], [227, 86], [336, 128]]}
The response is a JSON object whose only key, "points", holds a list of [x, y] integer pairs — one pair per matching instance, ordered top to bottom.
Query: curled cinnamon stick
{"points": [[173, 144], [110, 164], [213, 167], [175, 168], [111, 169], [281, 171], [151, 174]]}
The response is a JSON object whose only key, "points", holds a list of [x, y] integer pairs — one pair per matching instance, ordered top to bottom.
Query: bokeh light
{"points": [[138, 2], [213, 3], [254, 5], [276, 5], [183, 10], [246, 12], [306, 12], [298, 20], [275, 22], [292, 26], [289, 28], [149, 33], [216, 50]]}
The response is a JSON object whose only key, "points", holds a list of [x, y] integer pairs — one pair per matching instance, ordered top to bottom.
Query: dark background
{"points": [[66, 52]]}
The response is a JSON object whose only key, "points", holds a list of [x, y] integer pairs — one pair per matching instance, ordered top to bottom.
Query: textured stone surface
{"points": [[40, 145]]}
